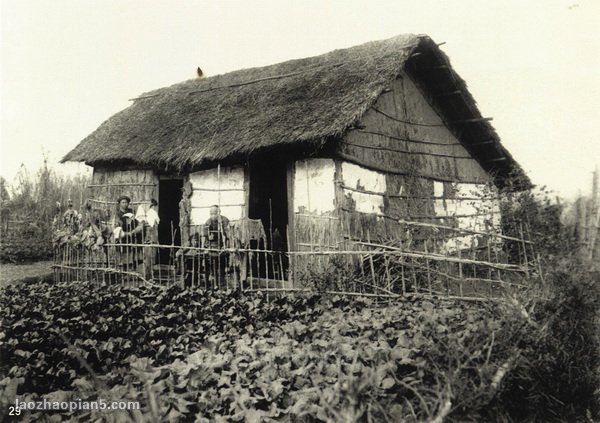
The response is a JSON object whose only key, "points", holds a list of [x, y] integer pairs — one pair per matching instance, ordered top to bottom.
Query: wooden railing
{"points": [[488, 268]]}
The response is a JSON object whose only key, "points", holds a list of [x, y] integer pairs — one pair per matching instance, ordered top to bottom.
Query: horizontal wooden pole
{"points": [[381, 112], [411, 140], [399, 150], [121, 184], [218, 189], [364, 191], [483, 198], [114, 202], [220, 205], [322, 216], [425, 216], [468, 231], [308, 244], [439, 257], [103, 269], [458, 278], [313, 291], [453, 297]]}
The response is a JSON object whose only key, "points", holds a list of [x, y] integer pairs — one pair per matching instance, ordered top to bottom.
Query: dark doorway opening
{"points": [[169, 196], [269, 202]]}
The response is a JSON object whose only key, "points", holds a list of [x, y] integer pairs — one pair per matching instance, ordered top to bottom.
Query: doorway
{"points": [[268, 201], [169, 233]]}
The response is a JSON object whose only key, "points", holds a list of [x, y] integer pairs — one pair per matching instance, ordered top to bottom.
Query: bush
{"points": [[25, 250], [557, 370]]}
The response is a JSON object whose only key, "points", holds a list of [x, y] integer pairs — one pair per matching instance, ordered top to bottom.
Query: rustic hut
{"points": [[322, 149]]}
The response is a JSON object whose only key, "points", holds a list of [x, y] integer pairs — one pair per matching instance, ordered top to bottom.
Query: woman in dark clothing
{"points": [[122, 209]]}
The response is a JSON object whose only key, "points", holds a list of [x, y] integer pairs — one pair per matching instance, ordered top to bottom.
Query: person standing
{"points": [[123, 207], [185, 211], [70, 217], [151, 221], [128, 232], [216, 236]]}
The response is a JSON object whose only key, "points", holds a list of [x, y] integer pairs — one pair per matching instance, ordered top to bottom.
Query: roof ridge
{"points": [[307, 70]]}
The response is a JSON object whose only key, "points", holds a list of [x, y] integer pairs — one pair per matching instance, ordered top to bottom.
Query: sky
{"points": [[68, 65]]}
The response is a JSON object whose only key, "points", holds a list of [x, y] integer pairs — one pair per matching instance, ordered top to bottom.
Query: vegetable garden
{"points": [[196, 355]]}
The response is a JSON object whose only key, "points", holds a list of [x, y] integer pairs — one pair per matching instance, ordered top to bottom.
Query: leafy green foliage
{"points": [[23, 250], [107, 324], [228, 356]]}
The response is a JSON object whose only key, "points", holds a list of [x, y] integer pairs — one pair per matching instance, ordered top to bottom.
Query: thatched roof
{"points": [[306, 101]]}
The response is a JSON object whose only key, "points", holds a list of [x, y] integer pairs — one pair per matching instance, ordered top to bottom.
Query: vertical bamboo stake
{"points": [[271, 236], [524, 250], [258, 251], [129, 252], [489, 253], [63, 258], [67, 258], [474, 258], [291, 259], [70, 260], [308, 261], [362, 261], [401, 261], [537, 262], [371, 263], [53, 264], [74, 264], [250, 269], [55, 270], [64, 270], [281, 270], [428, 270], [71, 271], [460, 271], [387, 272], [266, 273], [172, 276], [160, 278]]}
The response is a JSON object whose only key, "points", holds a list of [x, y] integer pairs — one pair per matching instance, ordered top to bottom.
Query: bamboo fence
{"points": [[351, 267]]}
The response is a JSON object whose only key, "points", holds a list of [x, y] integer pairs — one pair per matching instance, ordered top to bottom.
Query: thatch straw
{"points": [[305, 101]]}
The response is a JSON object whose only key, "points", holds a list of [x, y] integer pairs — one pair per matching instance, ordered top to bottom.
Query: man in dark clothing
{"points": [[131, 233], [216, 236]]}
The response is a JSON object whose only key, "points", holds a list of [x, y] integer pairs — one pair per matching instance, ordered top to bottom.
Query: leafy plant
{"points": [[229, 356]]}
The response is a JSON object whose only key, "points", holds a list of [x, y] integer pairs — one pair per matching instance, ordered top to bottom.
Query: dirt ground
{"points": [[17, 273]]}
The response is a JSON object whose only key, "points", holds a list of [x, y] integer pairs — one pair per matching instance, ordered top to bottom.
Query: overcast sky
{"points": [[532, 65]]}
